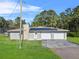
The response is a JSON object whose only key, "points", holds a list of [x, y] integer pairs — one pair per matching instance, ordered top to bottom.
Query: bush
{"points": [[73, 34]]}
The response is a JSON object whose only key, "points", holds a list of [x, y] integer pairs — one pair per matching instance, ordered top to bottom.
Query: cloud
{"points": [[8, 7], [33, 8]]}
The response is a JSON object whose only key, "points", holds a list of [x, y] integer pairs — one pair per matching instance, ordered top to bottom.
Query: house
{"points": [[39, 33]]}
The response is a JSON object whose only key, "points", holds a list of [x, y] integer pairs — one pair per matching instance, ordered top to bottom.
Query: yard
{"points": [[73, 39], [30, 50]]}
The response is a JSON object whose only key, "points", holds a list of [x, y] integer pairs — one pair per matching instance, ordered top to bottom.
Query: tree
{"points": [[76, 12], [66, 17], [46, 18], [17, 22], [3, 24], [10, 24], [74, 24]]}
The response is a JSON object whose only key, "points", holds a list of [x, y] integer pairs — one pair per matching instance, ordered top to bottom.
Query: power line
{"points": [[46, 3], [14, 9]]}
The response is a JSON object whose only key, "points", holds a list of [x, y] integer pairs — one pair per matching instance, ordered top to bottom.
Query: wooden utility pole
{"points": [[20, 41]]}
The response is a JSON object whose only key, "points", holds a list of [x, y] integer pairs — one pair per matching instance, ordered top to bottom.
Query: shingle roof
{"points": [[39, 28], [42, 28], [14, 30], [62, 30]]}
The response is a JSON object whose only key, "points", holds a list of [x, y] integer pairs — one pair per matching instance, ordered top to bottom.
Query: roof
{"points": [[40, 28], [14, 30], [62, 30]]}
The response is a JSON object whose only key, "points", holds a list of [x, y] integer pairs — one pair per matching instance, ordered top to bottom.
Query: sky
{"points": [[10, 9]]}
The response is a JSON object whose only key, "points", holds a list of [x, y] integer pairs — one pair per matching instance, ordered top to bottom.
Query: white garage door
{"points": [[45, 35], [14, 36], [32, 36], [59, 36]]}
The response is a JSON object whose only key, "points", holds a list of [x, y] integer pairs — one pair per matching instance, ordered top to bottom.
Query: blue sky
{"points": [[31, 8]]}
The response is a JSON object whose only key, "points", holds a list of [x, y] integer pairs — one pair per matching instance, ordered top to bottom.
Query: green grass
{"points": [[74, 39], [30, 50]]}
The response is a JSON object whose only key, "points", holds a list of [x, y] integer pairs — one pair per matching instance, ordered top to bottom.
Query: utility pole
{"points": [[20, 41]]}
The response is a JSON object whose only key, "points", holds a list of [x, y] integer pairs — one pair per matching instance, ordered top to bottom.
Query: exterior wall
{"points": [[26, 31], [52, 35], [14, 36], [40, 36], [65, 36]]}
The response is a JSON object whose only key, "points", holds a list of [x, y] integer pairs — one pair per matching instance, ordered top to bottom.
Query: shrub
{"points": [[73, 34]]}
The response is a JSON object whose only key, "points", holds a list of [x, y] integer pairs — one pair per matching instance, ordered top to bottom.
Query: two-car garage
{"points": [[54, 35], [46, 36]]}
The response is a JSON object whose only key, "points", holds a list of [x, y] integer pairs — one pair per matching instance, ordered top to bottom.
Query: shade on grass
{"points": [[74, 39], [30, 50]]}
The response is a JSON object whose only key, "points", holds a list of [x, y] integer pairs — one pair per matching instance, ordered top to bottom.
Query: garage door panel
{"points": [[58, 35], [14, 36], [31, 36], [45, 36]]}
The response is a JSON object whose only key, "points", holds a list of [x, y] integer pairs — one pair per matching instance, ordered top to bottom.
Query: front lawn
{"points": [[74, 39], [30, 50]]}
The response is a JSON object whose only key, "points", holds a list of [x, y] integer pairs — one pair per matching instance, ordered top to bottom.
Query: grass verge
{"points": [[74, 39], [30, 50]]}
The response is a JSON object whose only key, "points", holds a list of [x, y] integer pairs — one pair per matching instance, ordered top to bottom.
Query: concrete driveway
{"points": [[58, 44], [63, 48], [68, 53]]}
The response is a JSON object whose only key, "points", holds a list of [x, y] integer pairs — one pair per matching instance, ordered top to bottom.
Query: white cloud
{"points": [[8, 7], [33, 8]]}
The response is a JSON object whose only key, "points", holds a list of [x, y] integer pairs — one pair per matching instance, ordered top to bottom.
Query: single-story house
{"points": [[39, 33]]}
